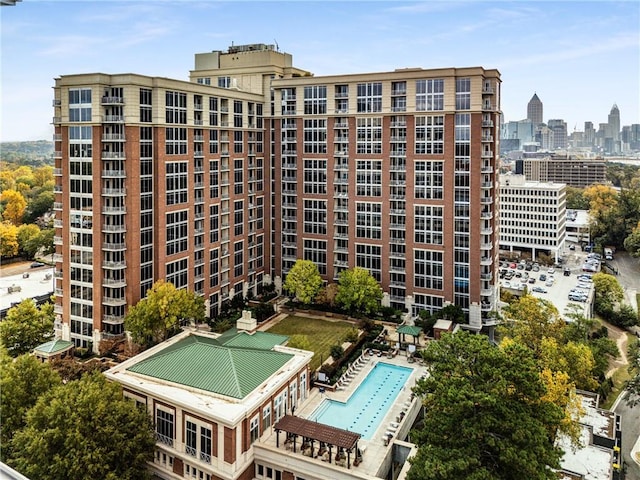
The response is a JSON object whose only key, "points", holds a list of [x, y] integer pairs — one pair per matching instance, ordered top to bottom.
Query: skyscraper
{"points": [[534, 110], [614, 123], [220, 184]]}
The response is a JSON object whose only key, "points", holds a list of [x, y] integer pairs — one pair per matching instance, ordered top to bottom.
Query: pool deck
{"points": [[375, 449]]}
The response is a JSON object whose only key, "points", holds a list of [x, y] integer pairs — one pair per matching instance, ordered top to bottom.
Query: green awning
{"points": [[409, 330]]}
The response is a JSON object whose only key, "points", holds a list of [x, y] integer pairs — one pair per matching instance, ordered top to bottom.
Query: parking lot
{"points": [[552, 284]]}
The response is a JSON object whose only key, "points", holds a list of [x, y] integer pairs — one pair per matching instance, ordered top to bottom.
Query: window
{"points": [[224, 82], [463, 93], [429, 95], [369, 97], [315, 100], [80, 105], [145, 105], [176, 107], [213, 111], [237, 113], [315, 135], [369, 135], [430, 135], [175, 141], [213, 141], [238, 142], [238, 176], [315, 176], [369, 178], [428, 180], [176, 183], [214, 187], [315, 216], [238, 217], [368, 220], [428, 224], [177, 234], [316, 251], [369, 257], [238, 260], [214, 268], [428, 269], [176, 273], [266, 417], [164, 426], [254, 428], [191, 434], [205, 444]]}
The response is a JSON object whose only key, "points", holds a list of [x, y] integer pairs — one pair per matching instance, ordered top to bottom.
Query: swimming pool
{"points": [[367, 406]]}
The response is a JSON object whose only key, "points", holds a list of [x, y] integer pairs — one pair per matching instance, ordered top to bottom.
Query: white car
{"points": [[551, 271], [549, 283]]}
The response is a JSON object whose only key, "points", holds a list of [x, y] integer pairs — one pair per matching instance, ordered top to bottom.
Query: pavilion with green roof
{"points": [[53, 349], [232, 365]]}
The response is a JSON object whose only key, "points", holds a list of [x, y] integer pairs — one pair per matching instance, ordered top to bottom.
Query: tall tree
{"points": [[14, 206], [8, 239], [27, 239], [632, 242], [303, 281], [358, 291], [608, 291], [159, 315], [26, 326], [22, 382], [633, 385], [486, 416], [84, 430]]}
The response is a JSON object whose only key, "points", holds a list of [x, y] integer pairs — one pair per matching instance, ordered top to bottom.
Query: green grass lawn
{"points": [[322, 334]]}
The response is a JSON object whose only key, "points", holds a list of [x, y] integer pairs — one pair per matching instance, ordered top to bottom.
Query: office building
{"points": [[534, 110], [560, 137], [574, 171], [219, 184], [533, 216]]}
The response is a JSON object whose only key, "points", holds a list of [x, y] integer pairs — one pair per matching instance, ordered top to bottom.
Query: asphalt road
{"points": [[628, 275]]}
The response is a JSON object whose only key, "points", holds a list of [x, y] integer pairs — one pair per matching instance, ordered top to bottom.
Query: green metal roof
{"points": [[409, 330], [259, 340], [54, 346], [203, 363]]}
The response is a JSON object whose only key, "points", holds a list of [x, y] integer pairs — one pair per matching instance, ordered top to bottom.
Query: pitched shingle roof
{"points": [[203, 363]]}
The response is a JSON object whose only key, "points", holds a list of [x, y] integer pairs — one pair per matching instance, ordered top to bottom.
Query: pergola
{"points": [[412, 330], [326, 435]]}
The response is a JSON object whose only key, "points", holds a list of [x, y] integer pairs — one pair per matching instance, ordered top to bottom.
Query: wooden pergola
{"points": [[327, 436]]}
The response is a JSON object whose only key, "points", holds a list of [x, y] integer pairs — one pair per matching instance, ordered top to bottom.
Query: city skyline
{"points": [[580, 58]]}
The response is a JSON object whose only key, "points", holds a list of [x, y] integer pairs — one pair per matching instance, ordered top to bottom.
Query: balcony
{"points": [[488, 90], [398, 91], [109, 100], [56, 102], [487, 106], [399, 109], [341, 110], [113, 119], [56, 120], [399, 123], [487, 123], [341, 125], [57, 137], [113, 137], [399, 138], [487, 138], [340, 139], [341, 153], [57, 154], [487, 154], [113, 156], [398, 168], [487, 168], [57, 172], [114, 174], [486, 185], [114, 191], [486, 200], [57, 205], [117, 210], [486, 215], [57, 223], [114, 228], [486, 231], [57, 240], [486, 246], [114, 247], [57, 257], [486, 261], [114, 264], [57, 273], [486, 276], [57, 292], [114, 301], [57, 308], [113, 319]]}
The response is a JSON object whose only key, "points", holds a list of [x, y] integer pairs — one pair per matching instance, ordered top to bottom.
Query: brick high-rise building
{"points": [[221, 183]]}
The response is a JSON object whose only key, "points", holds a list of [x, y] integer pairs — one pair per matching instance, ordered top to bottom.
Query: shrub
{"points": [[351, 335], [337, 352]]}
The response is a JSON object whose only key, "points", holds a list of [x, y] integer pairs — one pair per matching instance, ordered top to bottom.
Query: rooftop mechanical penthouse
{"points": [[220, 183]]}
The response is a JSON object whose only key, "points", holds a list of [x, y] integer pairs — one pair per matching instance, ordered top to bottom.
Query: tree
{"points": [[576, 199], [39, 204], [14, 206], [28, 235], [8, 239], [632, 242], [303, 281], [358, 291], [608, 291], [157, 316], [530, 319], [26, 326], [574, 359], [22, 382], [633, 384], [486, 416], [85, 430]]}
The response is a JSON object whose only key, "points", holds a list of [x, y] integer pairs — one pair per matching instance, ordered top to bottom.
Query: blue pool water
{"points": [[367, 406]]}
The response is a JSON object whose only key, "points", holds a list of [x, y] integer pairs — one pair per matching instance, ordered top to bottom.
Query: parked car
{"points": [[572, 247], [37, 265], [551, 271], [543, 277], [532, 280], [539, 290]]}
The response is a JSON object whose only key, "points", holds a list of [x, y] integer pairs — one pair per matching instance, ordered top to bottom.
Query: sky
{"points": [[579, 57]]}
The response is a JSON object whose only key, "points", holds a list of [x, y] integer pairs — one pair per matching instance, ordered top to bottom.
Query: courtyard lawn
{"points": [[322, 334]]}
